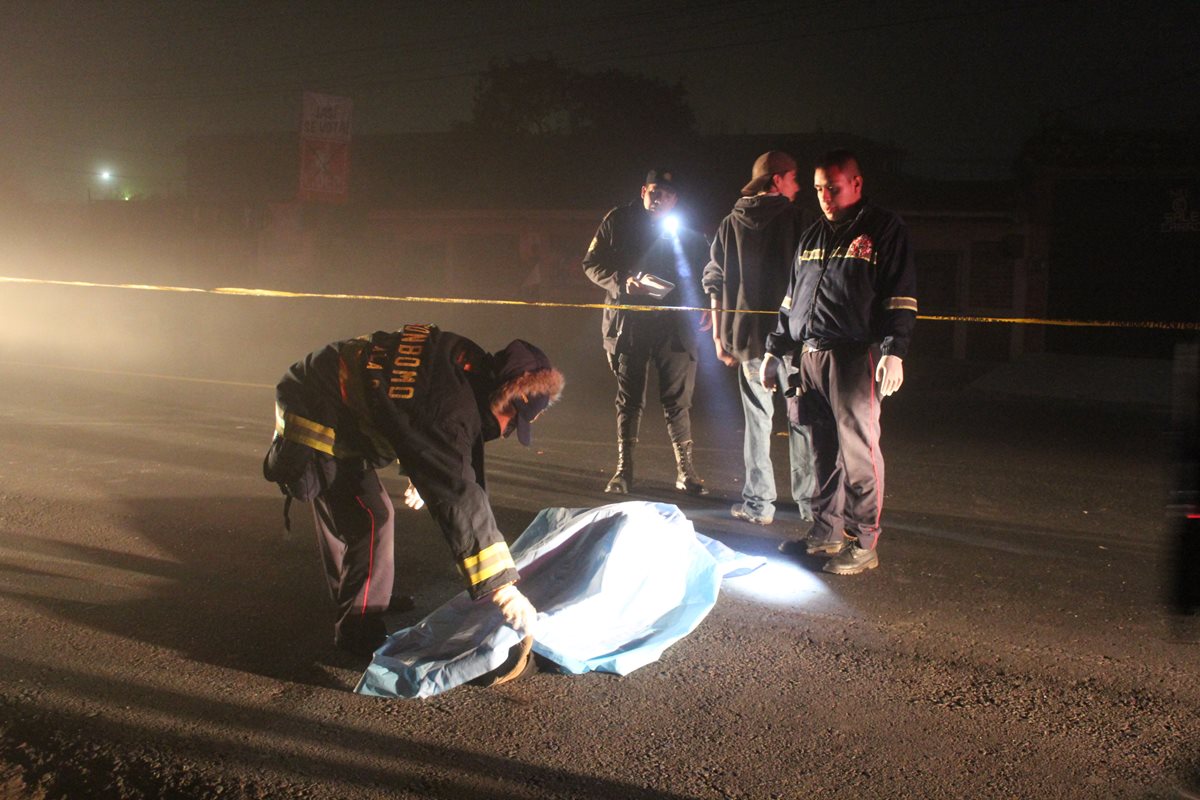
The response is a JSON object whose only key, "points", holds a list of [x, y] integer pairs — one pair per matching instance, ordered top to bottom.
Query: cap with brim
{"points": [[772, 162], [662, 177]]}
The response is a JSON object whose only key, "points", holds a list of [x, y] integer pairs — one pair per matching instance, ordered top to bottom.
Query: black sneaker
{"points": [[825, 547], [851, 561]]}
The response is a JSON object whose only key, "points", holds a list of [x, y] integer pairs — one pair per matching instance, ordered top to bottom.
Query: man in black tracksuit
{"points": [[631, 247], [847, 320], [429, 398]]}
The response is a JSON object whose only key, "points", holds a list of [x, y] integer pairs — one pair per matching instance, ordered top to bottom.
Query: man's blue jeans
{"points": [[758, 405]]}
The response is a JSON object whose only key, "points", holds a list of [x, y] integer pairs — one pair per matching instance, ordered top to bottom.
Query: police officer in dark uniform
{"points": [[639, 258], [429, 398]]}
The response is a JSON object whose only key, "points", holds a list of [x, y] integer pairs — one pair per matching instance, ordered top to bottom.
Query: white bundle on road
{"points": [[614, 586]]}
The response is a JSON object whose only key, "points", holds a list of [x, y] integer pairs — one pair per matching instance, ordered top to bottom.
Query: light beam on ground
{"points": [[779, 582]]}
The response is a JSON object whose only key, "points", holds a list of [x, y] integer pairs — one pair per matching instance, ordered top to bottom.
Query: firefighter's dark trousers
{"points": [[354, 521]]}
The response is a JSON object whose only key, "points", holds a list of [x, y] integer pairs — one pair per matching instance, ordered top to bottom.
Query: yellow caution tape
{"points": [[241, 292], [1069, 323]]}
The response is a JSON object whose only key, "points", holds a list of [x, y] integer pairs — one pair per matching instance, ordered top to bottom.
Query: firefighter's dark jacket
{"points": [[630, 241], [749, 267], [852, 284], [420, 395]]}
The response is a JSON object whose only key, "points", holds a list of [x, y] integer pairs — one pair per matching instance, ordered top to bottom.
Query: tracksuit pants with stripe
{"points": [[841, 402], [354, 518]]}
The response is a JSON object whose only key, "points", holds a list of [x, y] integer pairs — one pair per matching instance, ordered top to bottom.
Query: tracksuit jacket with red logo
{"points": [[852, 284]]}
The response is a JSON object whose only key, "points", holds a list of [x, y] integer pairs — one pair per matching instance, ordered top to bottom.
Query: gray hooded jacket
{"points": [[750, 263]]}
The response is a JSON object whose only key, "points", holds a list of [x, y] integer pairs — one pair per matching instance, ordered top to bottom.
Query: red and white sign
{"points": [[325, 148]]}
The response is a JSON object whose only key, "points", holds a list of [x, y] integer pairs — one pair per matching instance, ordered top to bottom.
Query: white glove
{"points": [[889, 375], [412, 499], [516, 608]]}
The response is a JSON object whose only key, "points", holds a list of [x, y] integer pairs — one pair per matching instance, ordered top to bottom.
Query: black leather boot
{"points": [[686, 478], [622, 480]]}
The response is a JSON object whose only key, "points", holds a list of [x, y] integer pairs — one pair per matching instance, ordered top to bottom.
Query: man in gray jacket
{"points": [[748, 272]]}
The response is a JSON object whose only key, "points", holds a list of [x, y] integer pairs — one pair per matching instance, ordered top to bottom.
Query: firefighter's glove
{"points": [[412, 499], [516, 608]]}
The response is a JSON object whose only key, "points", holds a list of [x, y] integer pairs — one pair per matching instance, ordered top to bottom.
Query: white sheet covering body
{"points": [[615, 586]]}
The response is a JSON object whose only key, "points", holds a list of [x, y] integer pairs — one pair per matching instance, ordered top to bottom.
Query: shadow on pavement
{"points": [[229, 590], [287, 743]]}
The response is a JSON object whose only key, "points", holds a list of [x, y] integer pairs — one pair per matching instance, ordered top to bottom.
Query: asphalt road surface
{"points": [[160, 638]]}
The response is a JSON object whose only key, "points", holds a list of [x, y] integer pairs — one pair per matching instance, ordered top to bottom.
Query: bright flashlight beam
{"points": [[670, 224], [691, 293], [779, 582]]}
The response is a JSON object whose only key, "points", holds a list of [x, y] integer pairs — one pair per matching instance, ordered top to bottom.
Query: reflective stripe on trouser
{"points": [[676, 373], [841, 402], [758, 408], [354, 522]]}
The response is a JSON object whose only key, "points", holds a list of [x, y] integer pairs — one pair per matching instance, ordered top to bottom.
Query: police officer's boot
{"points": [[686, 478], [622, 480]]}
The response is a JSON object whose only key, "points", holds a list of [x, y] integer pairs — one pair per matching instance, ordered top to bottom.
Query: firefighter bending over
{"points": [[430, 399]]}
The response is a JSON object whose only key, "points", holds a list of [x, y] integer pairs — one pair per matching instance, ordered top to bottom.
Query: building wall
{"points": [[533, 255], [973, 265]]}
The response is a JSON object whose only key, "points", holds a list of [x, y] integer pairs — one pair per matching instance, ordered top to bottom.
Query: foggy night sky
{"points": [[86, 86]]}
